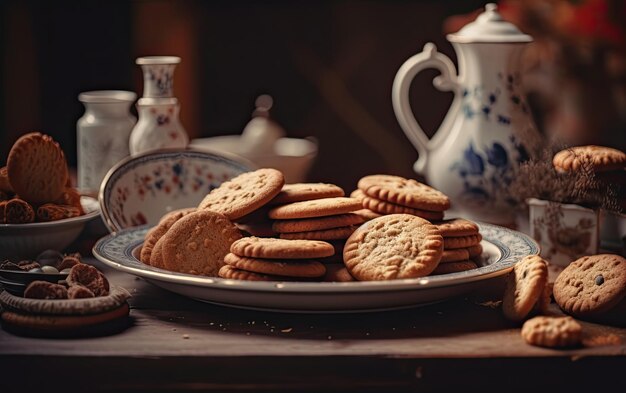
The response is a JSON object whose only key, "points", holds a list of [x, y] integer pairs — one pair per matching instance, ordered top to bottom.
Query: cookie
{"points": [[599, 158], [37, 168], [5, 184], [305, 192], [404, 192], [244, 194], [70, 197], [383, 207], [315, 208], [18, 211], [54, 212], [367, 214], [317, 223], [456, 227], [259, 229], [158, 231], [326, 234], [461, 241], [198, 242], [258, 247], [393, 247], [475, 250], [455, 255], [156, 257], [277, 267], [454, 267], [232, 273], [337, 273], [591, 285], [525, 286], [552, 332]]}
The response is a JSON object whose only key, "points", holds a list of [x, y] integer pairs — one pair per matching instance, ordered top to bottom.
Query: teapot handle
{"points": [[447, 81]]}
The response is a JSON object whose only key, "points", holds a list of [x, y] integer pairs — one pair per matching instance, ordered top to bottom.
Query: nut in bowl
{"points": [[141, 189]]}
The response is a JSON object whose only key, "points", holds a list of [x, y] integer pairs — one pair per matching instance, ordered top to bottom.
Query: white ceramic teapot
{"points": [[488, 130]]}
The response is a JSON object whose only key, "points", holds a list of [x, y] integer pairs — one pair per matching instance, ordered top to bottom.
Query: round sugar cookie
{"points": [[599, 158], [297, 192], [404, 192], [384, 207], [315, 208], [317, 223], [456, 227], [325, 234], [260, 247], [393, 247], [277, 267], [233, 273], [525, 287]]}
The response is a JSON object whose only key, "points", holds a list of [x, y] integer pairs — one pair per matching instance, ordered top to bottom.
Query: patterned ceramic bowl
{"points": [[140, 189], [21, 241]]}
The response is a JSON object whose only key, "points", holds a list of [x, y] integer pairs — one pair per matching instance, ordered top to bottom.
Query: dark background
{"points": [[328, 64]]}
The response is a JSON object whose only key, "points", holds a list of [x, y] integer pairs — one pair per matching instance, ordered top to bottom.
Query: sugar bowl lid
{"points": [[489, 27]]}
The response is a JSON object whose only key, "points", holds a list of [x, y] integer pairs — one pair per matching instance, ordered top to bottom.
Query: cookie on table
{"points": [[599, 158], [37, 169], [306, 191], [404, 192], [244, 193], [384, 207], [315, 208], [317, 223], [456, 227], [326, 234], [461, 241], [198, 242], [258, 247], [391, 247], [277, 267], [454, 267], [592, 286], [525, 287], [552, 332]]}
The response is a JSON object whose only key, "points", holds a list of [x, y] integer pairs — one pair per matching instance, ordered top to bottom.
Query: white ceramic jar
{"points": [[158, 126], [102, 135]]}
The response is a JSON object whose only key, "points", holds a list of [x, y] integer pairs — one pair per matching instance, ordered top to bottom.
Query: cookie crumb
{"points": [[185, 337]]}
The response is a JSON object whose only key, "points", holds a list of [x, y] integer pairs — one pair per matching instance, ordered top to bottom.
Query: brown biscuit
{"points": [[599, 158], [37, 168], [5, 184], [306, 191], [404, 192], [244, 194], [70, 197], [384, 207], [315, 208], [18, 211], [54, 212], [367, 214], [317, 223], [456, 227], [259, 229], [158, 231], [326, 234], [461, 241], [198, 242], [258, 247], [393, 247], [475, 250], [454, 255], [156, 257], [277, 267], [454, 267], [232, 273], [337, 273], [591, 285], [525, 287], [45, 290], [552, 332]]}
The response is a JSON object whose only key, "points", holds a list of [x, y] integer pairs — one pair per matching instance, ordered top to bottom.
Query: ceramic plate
{"points": [[502, 248]]}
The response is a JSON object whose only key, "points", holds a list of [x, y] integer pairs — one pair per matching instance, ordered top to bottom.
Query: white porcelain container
{"points": [[158, 75], [158, 126], [488, 129], [102, 134], [565, 232]]}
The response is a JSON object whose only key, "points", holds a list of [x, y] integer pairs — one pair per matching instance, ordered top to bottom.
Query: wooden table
{"points": [[176, 344]]}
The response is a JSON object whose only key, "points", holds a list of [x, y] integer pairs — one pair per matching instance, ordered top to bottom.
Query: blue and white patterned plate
{"points": [[502, 248]]}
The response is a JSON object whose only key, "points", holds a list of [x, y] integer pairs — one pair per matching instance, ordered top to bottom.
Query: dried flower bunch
{"points": [[537, 178]]}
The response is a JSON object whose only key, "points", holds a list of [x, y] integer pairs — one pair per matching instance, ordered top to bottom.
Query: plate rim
{"points": [[429, 282]]}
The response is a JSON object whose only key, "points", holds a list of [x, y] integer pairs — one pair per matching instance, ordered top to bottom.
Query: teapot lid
{"points": [[489, 27]]}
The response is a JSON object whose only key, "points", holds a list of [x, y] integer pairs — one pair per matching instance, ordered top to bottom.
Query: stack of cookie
{"points": [[386, 194], [316, 212], [461, 244], [270, 259]]}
